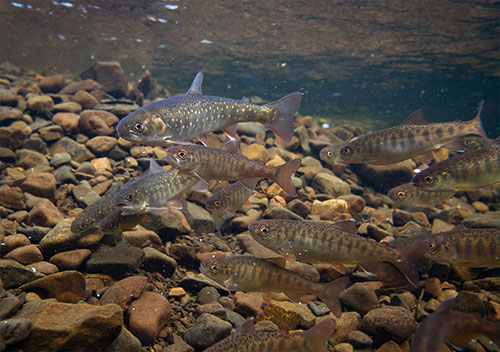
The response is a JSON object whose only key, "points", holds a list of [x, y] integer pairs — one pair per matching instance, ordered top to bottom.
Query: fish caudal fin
{"points": [[283, 124], [478, 125], [284, 176], [330, 294], [319, 335]]}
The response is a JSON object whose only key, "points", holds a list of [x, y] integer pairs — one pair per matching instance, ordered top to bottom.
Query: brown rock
{"points": [[110, 74], [52, 84], [86, 84], [85, 99], [40, 103], [69, 106], [8, 114], [67, 120], [96, 122], [51, 133], [14, 135], [101, 144], [256, 152], [27, 158], [41, 184], [12, 197], [355, 204], [328, 209], [45, 213], [140, 236], [14, 241], [25, 254], [71, 259], [43, 267], [67, 286], [124, 291], [359, 297], [247, 304], [147, 315], [288, 315], [346, 323], [388, 323], [389, 346]]}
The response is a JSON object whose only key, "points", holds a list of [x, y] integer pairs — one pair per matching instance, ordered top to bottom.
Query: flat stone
{"points": [[52, 84], [86, 84], [85, 99], [69, 106], [67, 120], [101, 144], [78, 152], [27, 158], [41, 184], [330, 184], [12, 197], [45, 213], [200, 219], [169, 224], [14, 241], [25, 254], [70, 260], [116, 260], [156, 261], [43, 267], [13, 274], [66, 286], [123, 292], [247, 304], [8, 306], [214, 308], [147, 315], [288, 315], [388, 323], [14, 330], [207, 330]]}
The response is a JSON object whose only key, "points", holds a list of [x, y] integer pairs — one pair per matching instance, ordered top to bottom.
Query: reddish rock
{"points": [[110, 74], [52, 84], [87, 85], [85, 99], [67, 120], [96, 122], [14, 135], [101, 144], [41, 184], [12, 197], [355, 204], [45, 213], [14, 241], [25, 254], [70, 259], [43, 267], [67, 286], [124, 291], [247, 304], [147, 315], [388, 323]]}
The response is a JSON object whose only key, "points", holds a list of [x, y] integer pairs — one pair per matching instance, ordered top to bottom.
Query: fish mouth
{"points": [[172, 160]]}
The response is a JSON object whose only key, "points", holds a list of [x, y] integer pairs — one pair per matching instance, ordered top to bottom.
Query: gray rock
{"points": [[8, 97], [8, 114], [51, 133], [77, 151], [60, 158], [65, 175], [330, 184], [84, 195], [279, 212], [199, 219], [117, 260], [156, 261], [13, 274], [207, 295], [360, 298], [8, 306], [214, 308], [318, 308], [234, 318], [388, 323], [14, 330], [207, 330], [359, 339], [125, 342]]}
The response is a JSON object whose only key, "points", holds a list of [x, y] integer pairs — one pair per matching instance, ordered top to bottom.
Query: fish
{"points": [[188, 116], [412, 138], [475, 143], [331, 154], [209, 163], [463, 172], [155, 191], [408, 195], [231, 200], [90, 217], [116, 222], [323, 242], [475, 248], [246, 273], [458, 328], [246, 339]]}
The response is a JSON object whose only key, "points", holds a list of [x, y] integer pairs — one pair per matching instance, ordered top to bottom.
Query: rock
{"points": [[110, 74], [52, 84], [86, 84], [7, 97], [85, 99], [40, 103], [68, 107], [9, 115], [67, 120], [96, 122], [51, 133], [14, 135], [101, 144], [78, 152], [256, 152], [7, 155], [29, 158], [60, 158], [101, 164], [384, 177], [41, 184], [329, 184], [84, 195], [12, 197], [355, 204], [299, 207], [329, 209], [279, 212], [45, 213], [455, 215], [402, 217], [200, 219], [488, 219], [441, 226], [140, 237], [14, 241], [25, 254], [71, 259], [115, 260], [156, 261], [43, 267], [13, 274], [67, 286], [124, 291], [208, 295], [359, 297], [470, 302], [247, 304], [8, 306], [214, 308], [147, 315], [288, 315], [388, 323], [70, 327], [14, 330], [207, 330], [359, 339], [125, 342], [389, 346], [343, 347]]}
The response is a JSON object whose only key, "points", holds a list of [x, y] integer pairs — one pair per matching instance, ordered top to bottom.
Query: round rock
{"points": [[388, 323]]}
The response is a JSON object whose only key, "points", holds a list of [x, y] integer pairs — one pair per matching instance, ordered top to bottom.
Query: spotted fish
{"points": [[191, 115], [413, 138], [219, 164], [467, 171], [155, 191], [408, 195], [232, 199], [116, 222], [322, 242], [245, 273], [457, 328], [246, 339]]}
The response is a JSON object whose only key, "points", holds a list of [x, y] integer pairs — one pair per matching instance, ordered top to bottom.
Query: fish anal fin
{"points": [[195, 87], [415, 118], [456, 144], [230, 145], [425, 157], [154, 167], [250, 183], [200, 186], [178, 203], [348, 226], [279, 261], [339, 267], [330, 294], [266, 297], [246, 328], [319, 335]]}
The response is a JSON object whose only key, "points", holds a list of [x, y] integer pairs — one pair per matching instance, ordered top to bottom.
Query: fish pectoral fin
{"points": [[195, 87], [415, 118], [230, 131], [457, 144], [230, 145], [440, 154], [425, 157], [154, 167], [250, 183], [201, 185], [224, 185], [178, 203], [158, 211], [348, 225], [290, 257], [279, 261], [339, 267], [296, 296], [266, 297], [246, 328], [319, 334]]}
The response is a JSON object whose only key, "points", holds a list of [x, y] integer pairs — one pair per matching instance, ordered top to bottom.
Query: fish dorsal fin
{"points": [[195, 87], [246, 100], [416, 118], [496, 142], [230, 145], [154, 167], [348, 225], [279, 261], [246, 328]]}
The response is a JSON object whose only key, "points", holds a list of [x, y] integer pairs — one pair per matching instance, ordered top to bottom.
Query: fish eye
{"points": [[138, 127], [346, 151], [182, 154], [329, 154], [428, 179], [401, 195], [128, 197], [217, 203], [263, 230], [432, 246], [214, 268]]}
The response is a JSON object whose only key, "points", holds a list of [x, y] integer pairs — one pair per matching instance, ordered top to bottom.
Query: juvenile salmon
{"points": [[191, 115], [218, 164], [409, 195], [231, 200], [245, 273]]}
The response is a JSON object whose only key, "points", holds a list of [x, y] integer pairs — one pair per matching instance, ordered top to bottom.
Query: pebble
{"points": [[110, 74], [52, 84], [86, 84], [8, 97], [85, 99], [40, 103], [69, 106], [67, 120], [96, 122], [51, 133], [14, 135], [100, 145], [256, 152], [7, 155], [29, 158], [60, 158], [384, 177], [41, 184], [330, 185], [12, 197], [329, 209], [278, 212], [45, 213], [200, 219], [140, 237], [14, 241], [25, 254], [70, 260], [117, 260], [156, 261], [43, 267], [13, 274], [67, 286], [123, 292], [177, 292], [208, 295], [360, 298], [247, 304], [8, 306], [214, 308], [288, 315], [347, 322], [388, 323], [14, 330], [207, 330], [359, 339], [389, 346], [343, 347]]}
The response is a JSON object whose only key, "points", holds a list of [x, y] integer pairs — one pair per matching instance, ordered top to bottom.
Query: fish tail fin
{"points": [[283, 123], [477, 123], [284, 176], [407, 262], [330, 294], [319, 334]]}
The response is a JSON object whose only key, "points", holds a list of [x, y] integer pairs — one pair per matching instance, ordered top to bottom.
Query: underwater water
{"points": [[235, 175]]}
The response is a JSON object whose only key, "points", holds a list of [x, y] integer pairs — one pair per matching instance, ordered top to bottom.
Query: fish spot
{"points": [[439, 132], [426, 136], [411, 138], [393, 141]]}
